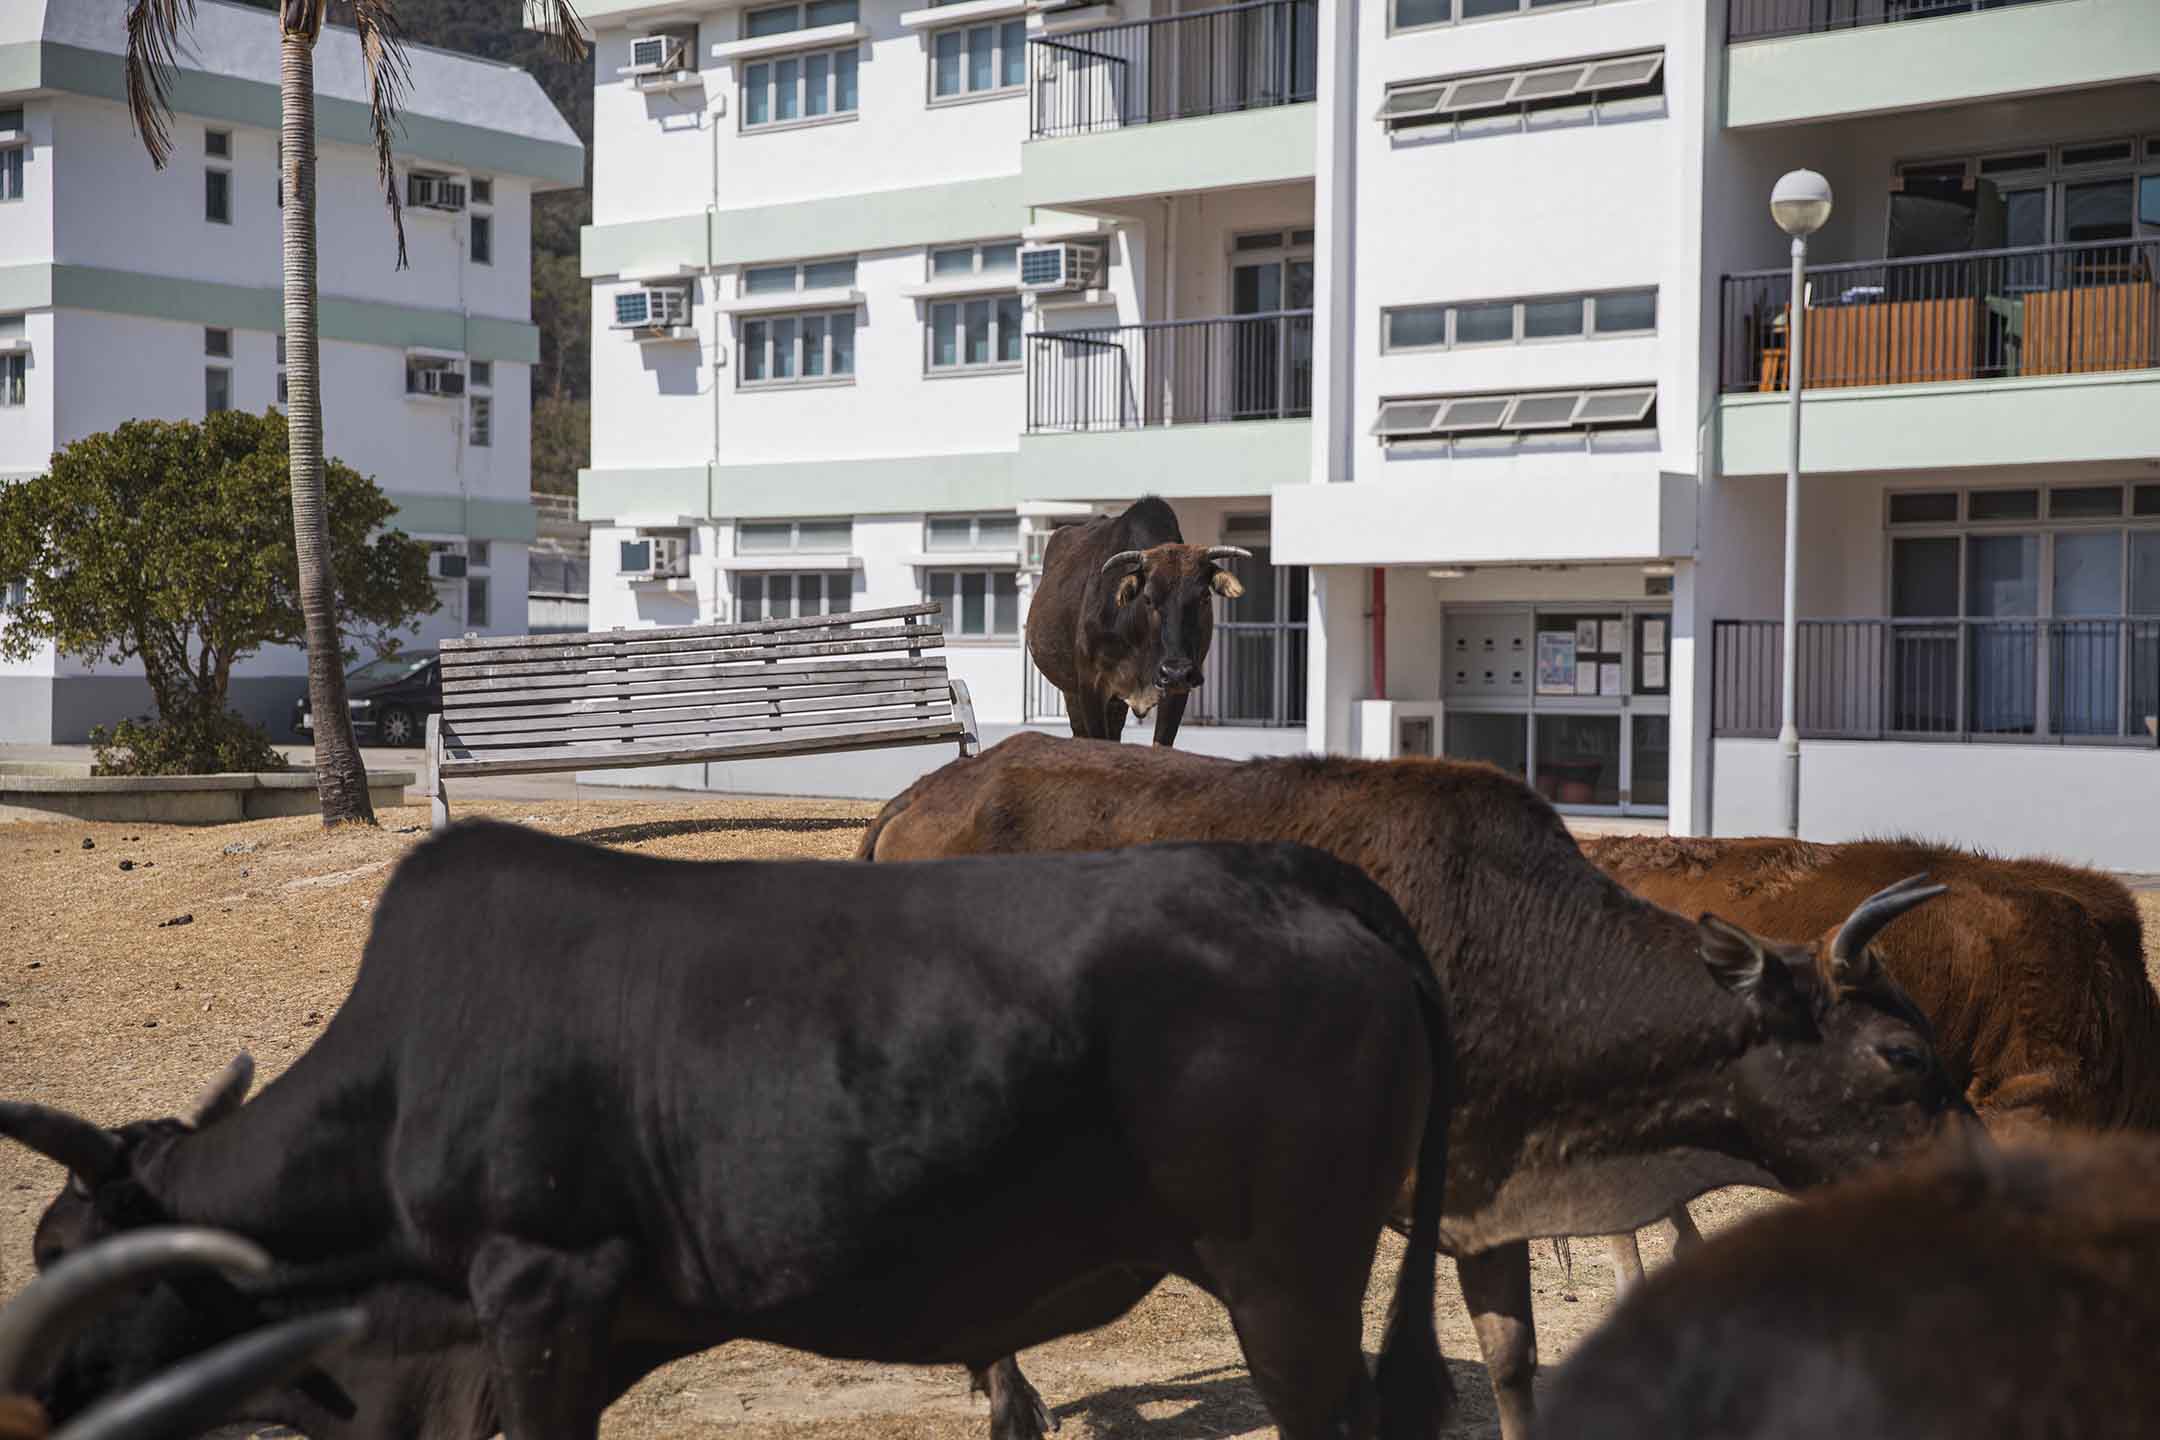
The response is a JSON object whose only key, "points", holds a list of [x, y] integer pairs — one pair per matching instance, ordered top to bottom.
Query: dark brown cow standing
{"points": [[1123, 615], [2032, 972], [1613, 1059], [2011, 1294]]}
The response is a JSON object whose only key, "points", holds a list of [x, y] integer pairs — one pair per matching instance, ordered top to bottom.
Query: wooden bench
{"points": [[531, 704]]}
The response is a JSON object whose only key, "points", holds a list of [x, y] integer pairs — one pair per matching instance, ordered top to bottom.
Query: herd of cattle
{"points": [[1096, 1014]]}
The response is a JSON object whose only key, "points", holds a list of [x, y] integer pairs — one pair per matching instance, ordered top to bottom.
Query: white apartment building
{"points": [[132, 293], [1468, 317]]}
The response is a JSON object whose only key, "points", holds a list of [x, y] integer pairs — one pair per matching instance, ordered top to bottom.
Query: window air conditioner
{"points": [[659, 55], [434, 192], [1048, 268], [661, 307], [433, 381], [655, 557], [446, 565]]}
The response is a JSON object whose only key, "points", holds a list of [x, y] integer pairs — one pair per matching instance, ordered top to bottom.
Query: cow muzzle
{"points": [[1174, 677]]}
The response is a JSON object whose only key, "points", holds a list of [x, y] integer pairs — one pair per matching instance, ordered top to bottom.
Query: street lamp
{"points": [[1800, 203]]}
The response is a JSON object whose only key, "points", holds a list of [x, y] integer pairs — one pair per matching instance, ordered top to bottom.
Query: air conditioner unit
{"points": [[660, 55], [434, 192], [1046, 269], [658, 307], [432, 381], [655, 557], [446, 565]]}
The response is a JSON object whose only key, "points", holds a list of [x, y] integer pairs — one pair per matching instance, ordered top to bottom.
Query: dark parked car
{"points": [[391, 698]]}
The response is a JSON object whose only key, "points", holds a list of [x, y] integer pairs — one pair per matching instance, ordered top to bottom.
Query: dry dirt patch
{"points": [[108, 1009]]}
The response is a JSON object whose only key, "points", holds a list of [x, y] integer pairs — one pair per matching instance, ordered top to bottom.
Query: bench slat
{"points": [[913, 637], [481, 643], [619, 656], [734, 677], [459, 715], [683, 719], [684, 730], [615, 757]]}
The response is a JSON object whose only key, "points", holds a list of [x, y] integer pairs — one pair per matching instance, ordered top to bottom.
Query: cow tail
{"points": [[1416, 1392]]}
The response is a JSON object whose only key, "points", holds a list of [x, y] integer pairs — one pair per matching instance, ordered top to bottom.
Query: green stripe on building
{"points": [[511, 521]]}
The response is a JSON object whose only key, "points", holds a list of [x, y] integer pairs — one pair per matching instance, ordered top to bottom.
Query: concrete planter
{"points": [[35, 790]]}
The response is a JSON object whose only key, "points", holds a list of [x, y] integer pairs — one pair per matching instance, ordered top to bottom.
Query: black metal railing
{"points": [[1766, 19], [1208, 62], [2040, 310], [1176, 372], [1254, 676], [2084, 681]]}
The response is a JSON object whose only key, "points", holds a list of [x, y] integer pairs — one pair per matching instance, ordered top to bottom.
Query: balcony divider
{"points": [[1206, 62]]}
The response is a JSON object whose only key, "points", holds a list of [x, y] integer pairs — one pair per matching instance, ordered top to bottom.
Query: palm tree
{"points": [[154, 32]]}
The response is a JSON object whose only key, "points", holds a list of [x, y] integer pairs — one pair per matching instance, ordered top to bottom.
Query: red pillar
{"points": [[1379, 633]]}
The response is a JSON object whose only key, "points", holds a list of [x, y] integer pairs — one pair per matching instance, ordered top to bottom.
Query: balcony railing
{"points": [[1764, 19], [1208, 62], [2041, 310], [1177, 372], [1254, 676], [2080, 682]]}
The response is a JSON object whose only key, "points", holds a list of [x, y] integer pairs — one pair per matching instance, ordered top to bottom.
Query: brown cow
{"points": [[1122, 618], [1613, 1058], [2011, 1293]]}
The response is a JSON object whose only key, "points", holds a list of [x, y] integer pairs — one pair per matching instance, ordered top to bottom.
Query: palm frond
{"points": [[559, 21], [153, 38], [389, 81]]}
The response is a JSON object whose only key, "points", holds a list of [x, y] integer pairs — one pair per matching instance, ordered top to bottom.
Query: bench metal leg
{"points": [[964, 712], [438, 798]]}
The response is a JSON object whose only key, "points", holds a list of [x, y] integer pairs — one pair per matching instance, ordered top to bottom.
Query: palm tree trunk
{"points": [[340, 777]]}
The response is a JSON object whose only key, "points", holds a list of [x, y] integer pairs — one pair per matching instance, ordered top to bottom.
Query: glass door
{"points": [[1271, 350], [2002, 600], [2085, 652]]}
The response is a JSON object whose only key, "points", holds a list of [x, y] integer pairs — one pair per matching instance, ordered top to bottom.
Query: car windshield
{"points": [[388, 668]]}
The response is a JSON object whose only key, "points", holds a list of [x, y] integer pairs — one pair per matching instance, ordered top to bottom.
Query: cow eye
{"points": [[1905, 1058]]}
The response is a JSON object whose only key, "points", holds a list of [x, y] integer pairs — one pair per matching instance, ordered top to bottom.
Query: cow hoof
{"points": [[1023, 1416]]}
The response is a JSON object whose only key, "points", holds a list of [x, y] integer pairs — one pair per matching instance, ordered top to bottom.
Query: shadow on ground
{"points": [[667, 829], [1217, 1401]]}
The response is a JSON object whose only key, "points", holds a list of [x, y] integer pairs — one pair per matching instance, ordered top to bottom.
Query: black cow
{"points": [[1122, 618], [586, 1112]]}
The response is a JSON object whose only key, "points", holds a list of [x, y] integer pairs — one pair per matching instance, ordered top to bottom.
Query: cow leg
{"points": [[1114, 712], [1168, 716], [1685, 1235], [1626, 1256], [1496, 1287], [547, 1317], [1304, 1350], [1017, 1411]]}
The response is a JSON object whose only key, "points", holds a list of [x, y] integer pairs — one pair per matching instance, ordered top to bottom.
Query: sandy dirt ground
{"points": [[113, 1005]]}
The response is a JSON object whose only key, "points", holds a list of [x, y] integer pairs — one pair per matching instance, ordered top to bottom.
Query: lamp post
{"points": [[1800, 203]]}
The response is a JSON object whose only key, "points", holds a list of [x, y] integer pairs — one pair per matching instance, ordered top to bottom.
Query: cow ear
{"points": [[1226, 584], [1127, 587], [1753, 969]]}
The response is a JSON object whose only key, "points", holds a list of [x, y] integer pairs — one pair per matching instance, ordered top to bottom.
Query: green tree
{"points": [[156, 33], [173, 544]]}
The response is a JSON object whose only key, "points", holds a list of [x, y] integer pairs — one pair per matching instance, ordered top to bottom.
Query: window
{"points": [[1417, 14], [780, 19], [975, 60], [794, 89], [1582, 92], [11, 120], [217, 144], [11, 172], [483, 191], [2062, 194], [217, 196], [483, 240], [1000, 258], [811, 275], [1513, 322], [978, 334], [218, 343], [798, 349], [482, 373], [14, 379], [283, 388], [217, 389], [1475, 424], [482, 431], [971, 532], [815, 537], [476, 553], [14, 594], [785, 596], [476, 599], [979, 604]]}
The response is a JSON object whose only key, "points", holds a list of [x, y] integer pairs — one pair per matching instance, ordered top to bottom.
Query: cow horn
{"points": [[1228, 552], [1124, 561], [1878, 910], [224, 1094], [66, 1139], [54, 1306], [199, 1393]]}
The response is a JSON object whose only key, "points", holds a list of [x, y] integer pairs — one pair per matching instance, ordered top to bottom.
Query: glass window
{"points": [[833, 12], [1424, 12], [775, 21], [1012, 46], [981, 57], [844, 66], [817, 84], [757, 95], [787, 95], [11, 117], [218, 143], [11, 173], [483, 190], [2148, 195], [217, 196], [2097, 210], [483, 240], [1000, 257], [953, 262], [829, 275], [768, 279], [1634, 310], [977, 319], [1550, 319], [1482, 324], [1419, 328], [1008, 329], [945, 334], [786, 335], [755, 339], [217, 342], [843, 343], [813, 346], [481, 372], [14, 379], [217, 389], [482, 432], [2147, 501], [2084, 502], [2003, 505], [1934, 507], [956, 533], [833, 536], [759, 538], [476, 554], [2145, 572], [2088, 573], [2002, 575], [1924, 578], [476, 600], [981, 603], [1578, 758]]}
